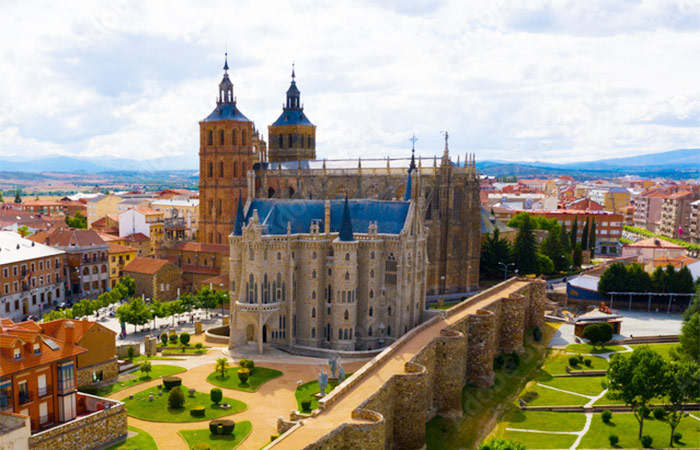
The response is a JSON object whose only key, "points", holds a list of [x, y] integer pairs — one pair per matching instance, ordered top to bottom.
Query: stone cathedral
{"points": [[235, 162]]}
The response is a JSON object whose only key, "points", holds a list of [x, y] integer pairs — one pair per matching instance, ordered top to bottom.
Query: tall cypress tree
{"points": [[574, 231], [584, 235], [591, 239], [565, 246], [524, 250]]}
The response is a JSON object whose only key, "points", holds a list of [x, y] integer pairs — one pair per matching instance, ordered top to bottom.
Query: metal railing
{"points": [[44, 391], [25, 397]]}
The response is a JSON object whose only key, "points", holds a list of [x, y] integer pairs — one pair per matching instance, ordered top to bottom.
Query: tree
{"points": [[18, 197], [77, 221], [23, 231], [574, 232], [584, 235], [591, 239], [565, 244], [525, 248], [552, 248], [494, 250], [578, 255], [544, 264], [614, 279], [637, 279], [659, 280], [683, 281], [130, 284], [207, 299], [188, 302], [158, 309], [66, 313], [135, 313], [598, 333], [690, 339], [221, 365], [146, 368], [635, 380], [681, 385], [216, 395], [176, 399], [501, 444]]}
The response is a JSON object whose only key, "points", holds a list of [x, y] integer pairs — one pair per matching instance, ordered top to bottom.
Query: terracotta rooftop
{"points": [[148, 211], [68, 237], [136, 237], [654, 243], [201, 247], [118, 248], [677, 262], [145, 265], [57, 328], [51, 349]]}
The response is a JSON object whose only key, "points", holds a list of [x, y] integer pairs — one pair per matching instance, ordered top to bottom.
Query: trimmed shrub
{"points": [[537, 334], [173, 337], [164, 338], [185, 338], [198, 345], [130, 352], [580, 358], [498, 361], [573, 361], [242, 362], [588, 362], [249, 364], [243, 375], [171, 382], [216, 395], [176, 399], [306, 405], [198, 411], [659, 413], [606, 416], [214, 427], [223, 427], [677, 437], [613, 440], [647, 441], [201, 446]]}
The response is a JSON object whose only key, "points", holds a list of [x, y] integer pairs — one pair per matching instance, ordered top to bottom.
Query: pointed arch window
{"points": [[210, 137], [221, 137], [234, 137], [347, 257], [390, 267], [347, 275], [371, 294], [371, 311], [313, 312], [346, 316], [369, 331], [313, 332]]}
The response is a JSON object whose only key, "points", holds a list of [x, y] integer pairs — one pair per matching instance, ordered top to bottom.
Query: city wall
{"points": [[431, 383]]}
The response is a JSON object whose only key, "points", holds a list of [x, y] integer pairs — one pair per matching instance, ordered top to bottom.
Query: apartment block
{"points": [[648, 209], [675, 214], [694, 231]]}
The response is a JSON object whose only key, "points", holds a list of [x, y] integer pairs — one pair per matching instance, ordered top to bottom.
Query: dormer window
{"points": [[37, 348], [17, 353]]}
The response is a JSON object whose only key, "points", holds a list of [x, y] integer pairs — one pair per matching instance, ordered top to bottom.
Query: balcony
{"points": [[25, 286], [257, 307], [44, 391], [25, 397]]}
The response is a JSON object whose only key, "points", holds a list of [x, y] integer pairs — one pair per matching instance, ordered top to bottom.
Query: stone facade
{"points": [[313, 289], [109, 369], [431, 383], [92, 431]]}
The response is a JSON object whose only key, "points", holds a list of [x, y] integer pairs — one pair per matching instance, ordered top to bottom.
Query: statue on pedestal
{"points": [[333, 362], [341, 373], [323, 382]]}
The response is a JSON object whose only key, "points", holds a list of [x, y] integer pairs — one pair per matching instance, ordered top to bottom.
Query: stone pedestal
{"points": [[225, 320], [198, 327], [150, 345]]}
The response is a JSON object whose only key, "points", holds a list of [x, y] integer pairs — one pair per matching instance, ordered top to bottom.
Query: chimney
{"points": [[70, 332]]}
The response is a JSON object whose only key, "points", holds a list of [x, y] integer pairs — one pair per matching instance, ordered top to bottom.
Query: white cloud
{"points": [[556, 81]]}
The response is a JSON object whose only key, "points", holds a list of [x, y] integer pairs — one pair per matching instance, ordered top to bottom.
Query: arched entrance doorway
{"points": [[250, 333], [264, 334]]}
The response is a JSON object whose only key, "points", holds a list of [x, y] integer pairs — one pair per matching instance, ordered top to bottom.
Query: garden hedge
{"points": [[171, 382], [198, 411]]}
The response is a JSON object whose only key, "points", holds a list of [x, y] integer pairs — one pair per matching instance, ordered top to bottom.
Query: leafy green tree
{"points": [[18, 197], [77, 221], [23, 231], [574, 233], [584, 235], [591, 239], [565, 243], [552, 248], [494, 250], [524, 250], [578, 255], [544, 264], [614, 279], [637, 279], [659, 280], [684, 281], [130, 284], [207, 299], [189, 302], [694, 306], [175, 308], [158, 310], [135, 313], [58, 314], [598, 333], [690, 338], [221, 366], [145, 367], [636, 379], [681, 386], [216, 395], [176, 399], [501, 444]]}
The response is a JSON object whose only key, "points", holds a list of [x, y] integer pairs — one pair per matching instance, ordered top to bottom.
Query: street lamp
{"points": [[505, 269], [221, 285]]}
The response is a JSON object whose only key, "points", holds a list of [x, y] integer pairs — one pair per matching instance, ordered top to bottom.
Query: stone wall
{"points": [[110, 371], [431, 383], [86, 432]]}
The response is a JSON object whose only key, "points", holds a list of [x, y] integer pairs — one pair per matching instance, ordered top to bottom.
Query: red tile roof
{"points": [[67, 237], [136, 237], [654, 243], [202, 247], [117, 248], [146, 265]]}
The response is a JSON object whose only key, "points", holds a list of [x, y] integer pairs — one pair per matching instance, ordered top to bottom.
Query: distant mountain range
{"points": [[683, 162]]}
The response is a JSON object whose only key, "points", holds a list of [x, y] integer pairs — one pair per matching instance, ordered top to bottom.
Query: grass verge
{"points": [[259, 376], [138, 377], [142, 441], [217, 442]]}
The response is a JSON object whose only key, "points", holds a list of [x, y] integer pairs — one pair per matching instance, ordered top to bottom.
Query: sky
{"points": [[510, 80]]}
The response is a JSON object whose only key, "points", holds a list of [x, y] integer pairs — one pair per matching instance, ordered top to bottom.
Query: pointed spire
{"points": [[226, 62], [293, 75], [413, 140], [407, 192], [238, 225], [345, 234]]}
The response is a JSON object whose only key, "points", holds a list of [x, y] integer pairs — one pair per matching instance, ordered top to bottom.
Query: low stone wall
{"points": [[217, 335], [123, 350], [110, 371], [432, 380], [91, 431]]}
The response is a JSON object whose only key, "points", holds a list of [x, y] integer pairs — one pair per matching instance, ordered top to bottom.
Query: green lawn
{"points": [[444, 306], [588, 348], [661, 349], [188, 351], [155, 358], [557, 362], [259, 376], [138, 377], [580, 385], [307, 390], [550, 397], [158, 411], [542, 420], [626, 428], [540, 440], [142, 441], [216, 442]]}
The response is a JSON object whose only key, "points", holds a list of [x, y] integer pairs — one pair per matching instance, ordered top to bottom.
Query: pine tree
{"points": [[18, 198], [574, 231], [584, 235], [591, 239], [565, 246], [552, 248], [494, 250], [524, 250], [578, 255]]}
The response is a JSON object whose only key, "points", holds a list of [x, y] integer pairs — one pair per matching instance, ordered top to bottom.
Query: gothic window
{"points": [[210, 137], [221, 137], [234, 138], [244, 138], [281, 141], [289, 141], [309, 141], [210, 169], [221, 169], [235, 170], [219, 210], [219, 238], [330, 252], [251, 254], [371, 255], [279, 256], [314, 256], [347, 257], [390, 269], [329, 271], [313, 273], [371, 273], [347, 275], [249, 288], [265, 289], [284, 290], [330, 294], [313, 295], [371, 295], [388, 310], [371, 311], [313, 312], [346, 315], [388, 330], [369, 331], [313, 332], [340, 333], [345, 333], [350, 334]]}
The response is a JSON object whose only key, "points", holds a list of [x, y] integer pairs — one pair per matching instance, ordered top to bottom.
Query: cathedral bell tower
{"points": [[292, 137], [227, 143]]}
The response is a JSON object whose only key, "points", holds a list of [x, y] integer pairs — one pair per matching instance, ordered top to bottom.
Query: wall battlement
{"points": [[424, 373]]}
